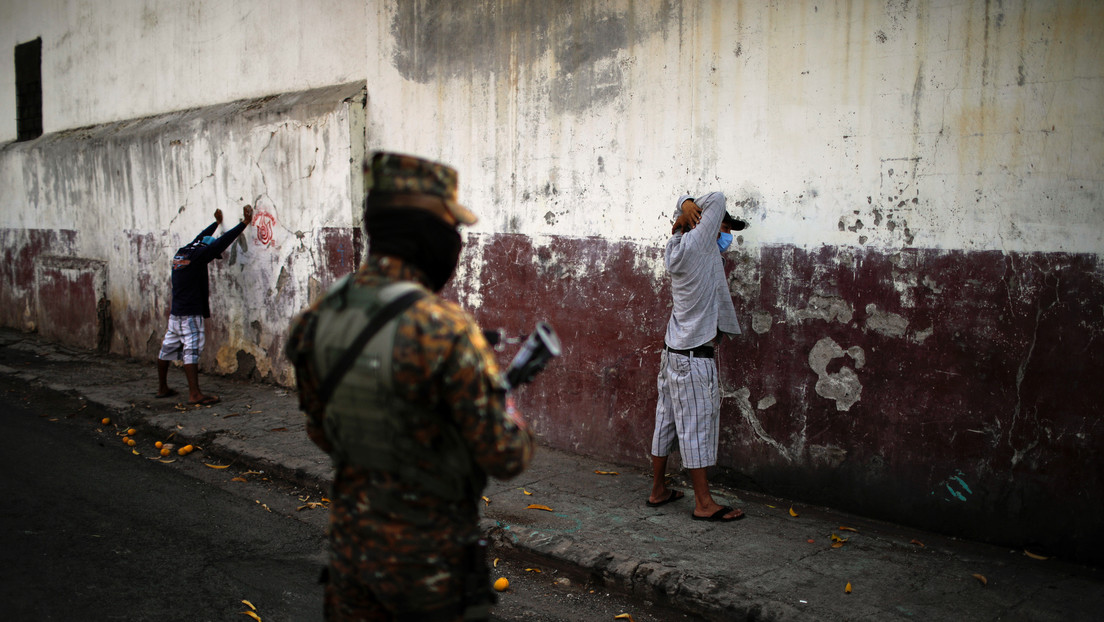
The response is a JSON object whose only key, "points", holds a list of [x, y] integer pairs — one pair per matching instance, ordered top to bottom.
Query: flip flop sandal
{"points": [[674, 496], [719, 516]]}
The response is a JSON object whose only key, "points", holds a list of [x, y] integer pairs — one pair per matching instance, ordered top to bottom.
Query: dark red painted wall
{"points": [[21, 248], [72, 306], [981, 373], [977, 374]]}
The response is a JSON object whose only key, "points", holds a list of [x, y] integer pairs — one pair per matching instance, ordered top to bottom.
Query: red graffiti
{"points": [[263, 222]]}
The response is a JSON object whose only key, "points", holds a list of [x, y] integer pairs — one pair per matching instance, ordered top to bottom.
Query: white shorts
{"points": [[184, 339], [688, 410]]}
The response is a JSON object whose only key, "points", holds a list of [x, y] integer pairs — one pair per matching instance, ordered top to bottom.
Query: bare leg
{"points": [[191, 372], [163, 389], [659, 479], [704, 505]]}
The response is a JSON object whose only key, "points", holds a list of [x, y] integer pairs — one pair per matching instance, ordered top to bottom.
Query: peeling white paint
{"points": [[824, 308], [761, 322], [885, 322], [842, 386], [743, 402]]}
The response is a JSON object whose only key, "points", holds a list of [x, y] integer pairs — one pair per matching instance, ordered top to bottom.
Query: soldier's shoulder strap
{"points": [[397, 297]]}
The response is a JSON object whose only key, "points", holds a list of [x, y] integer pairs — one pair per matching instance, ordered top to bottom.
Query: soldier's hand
{"points": [[247, 214], [218, 216]]}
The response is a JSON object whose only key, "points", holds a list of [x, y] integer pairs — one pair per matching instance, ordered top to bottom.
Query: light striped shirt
{"points": [[702, 301]]}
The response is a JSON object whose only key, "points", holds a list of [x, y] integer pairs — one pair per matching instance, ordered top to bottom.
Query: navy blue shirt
{"points": [[190, 287]]}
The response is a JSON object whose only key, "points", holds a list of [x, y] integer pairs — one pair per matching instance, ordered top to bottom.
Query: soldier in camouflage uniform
{"points": [[419, 420]]}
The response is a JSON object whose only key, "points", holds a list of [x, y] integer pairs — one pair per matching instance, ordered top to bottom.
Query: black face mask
{"points": [[416, 236]]}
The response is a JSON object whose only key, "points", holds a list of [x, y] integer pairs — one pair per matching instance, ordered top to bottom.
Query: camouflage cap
{"points": [[394, 173]]}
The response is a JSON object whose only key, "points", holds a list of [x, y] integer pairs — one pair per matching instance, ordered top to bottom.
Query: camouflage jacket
{"points": [[441, 362]]}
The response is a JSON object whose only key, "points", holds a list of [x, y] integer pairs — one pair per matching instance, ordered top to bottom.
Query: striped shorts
{"points": [[184, 339], [688, 410]]}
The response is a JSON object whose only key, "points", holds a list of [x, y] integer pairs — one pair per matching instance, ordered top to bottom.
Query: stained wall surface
{"points": [[921, 287]]}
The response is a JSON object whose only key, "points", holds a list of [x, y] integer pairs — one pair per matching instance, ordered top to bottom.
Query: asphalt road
{"points": [[91, 531]]}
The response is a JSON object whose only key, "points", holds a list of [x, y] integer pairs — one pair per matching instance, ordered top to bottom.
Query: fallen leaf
{"points": [[135, 452], [167, 461], [216, 466], [607, 473], [239, 479], [527, 492], [486, 500], [313, 505], [539, 507], [773, 507], [792, 513], [848, 529], [836, 538], [811, 541], [917, 543], [837, 545], [1034, 555], [496, 562], [537, 570], [981, 577], [847, 588], [249, 604], [252, 615], [623, 616]]}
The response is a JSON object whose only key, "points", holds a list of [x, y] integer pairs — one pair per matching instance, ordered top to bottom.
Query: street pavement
{"points": [[785, 561]]}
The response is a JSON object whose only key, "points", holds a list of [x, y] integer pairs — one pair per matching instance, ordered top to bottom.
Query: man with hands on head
{"points": [[186, 333], [688, 408]]}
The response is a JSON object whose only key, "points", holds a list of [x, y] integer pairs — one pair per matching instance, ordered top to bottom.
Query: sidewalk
{"points": [[770, 566]]}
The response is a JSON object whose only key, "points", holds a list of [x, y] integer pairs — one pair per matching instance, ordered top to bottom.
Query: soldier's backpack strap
{"points": [[393, 308]]}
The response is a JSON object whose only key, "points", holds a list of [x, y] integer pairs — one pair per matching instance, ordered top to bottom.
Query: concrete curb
{"points": [[773, 566], [651, 581]]}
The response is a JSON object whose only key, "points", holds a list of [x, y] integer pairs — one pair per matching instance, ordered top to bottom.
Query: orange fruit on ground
{"points": [[105, 421], [132, 432], [131, 442], [158, 444], [185, 450], [164, 451], [501, 584]]}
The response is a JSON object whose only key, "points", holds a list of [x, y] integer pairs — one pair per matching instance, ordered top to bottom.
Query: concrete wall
{"points": [[113, 60], [124, 196], [922, 286]]}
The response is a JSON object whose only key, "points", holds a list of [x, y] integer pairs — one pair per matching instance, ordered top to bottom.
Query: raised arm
{"points": [[712, 213]]}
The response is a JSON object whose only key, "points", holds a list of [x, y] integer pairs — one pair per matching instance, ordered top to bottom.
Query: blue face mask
{"points": [[208, 240], [724, 241]]}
